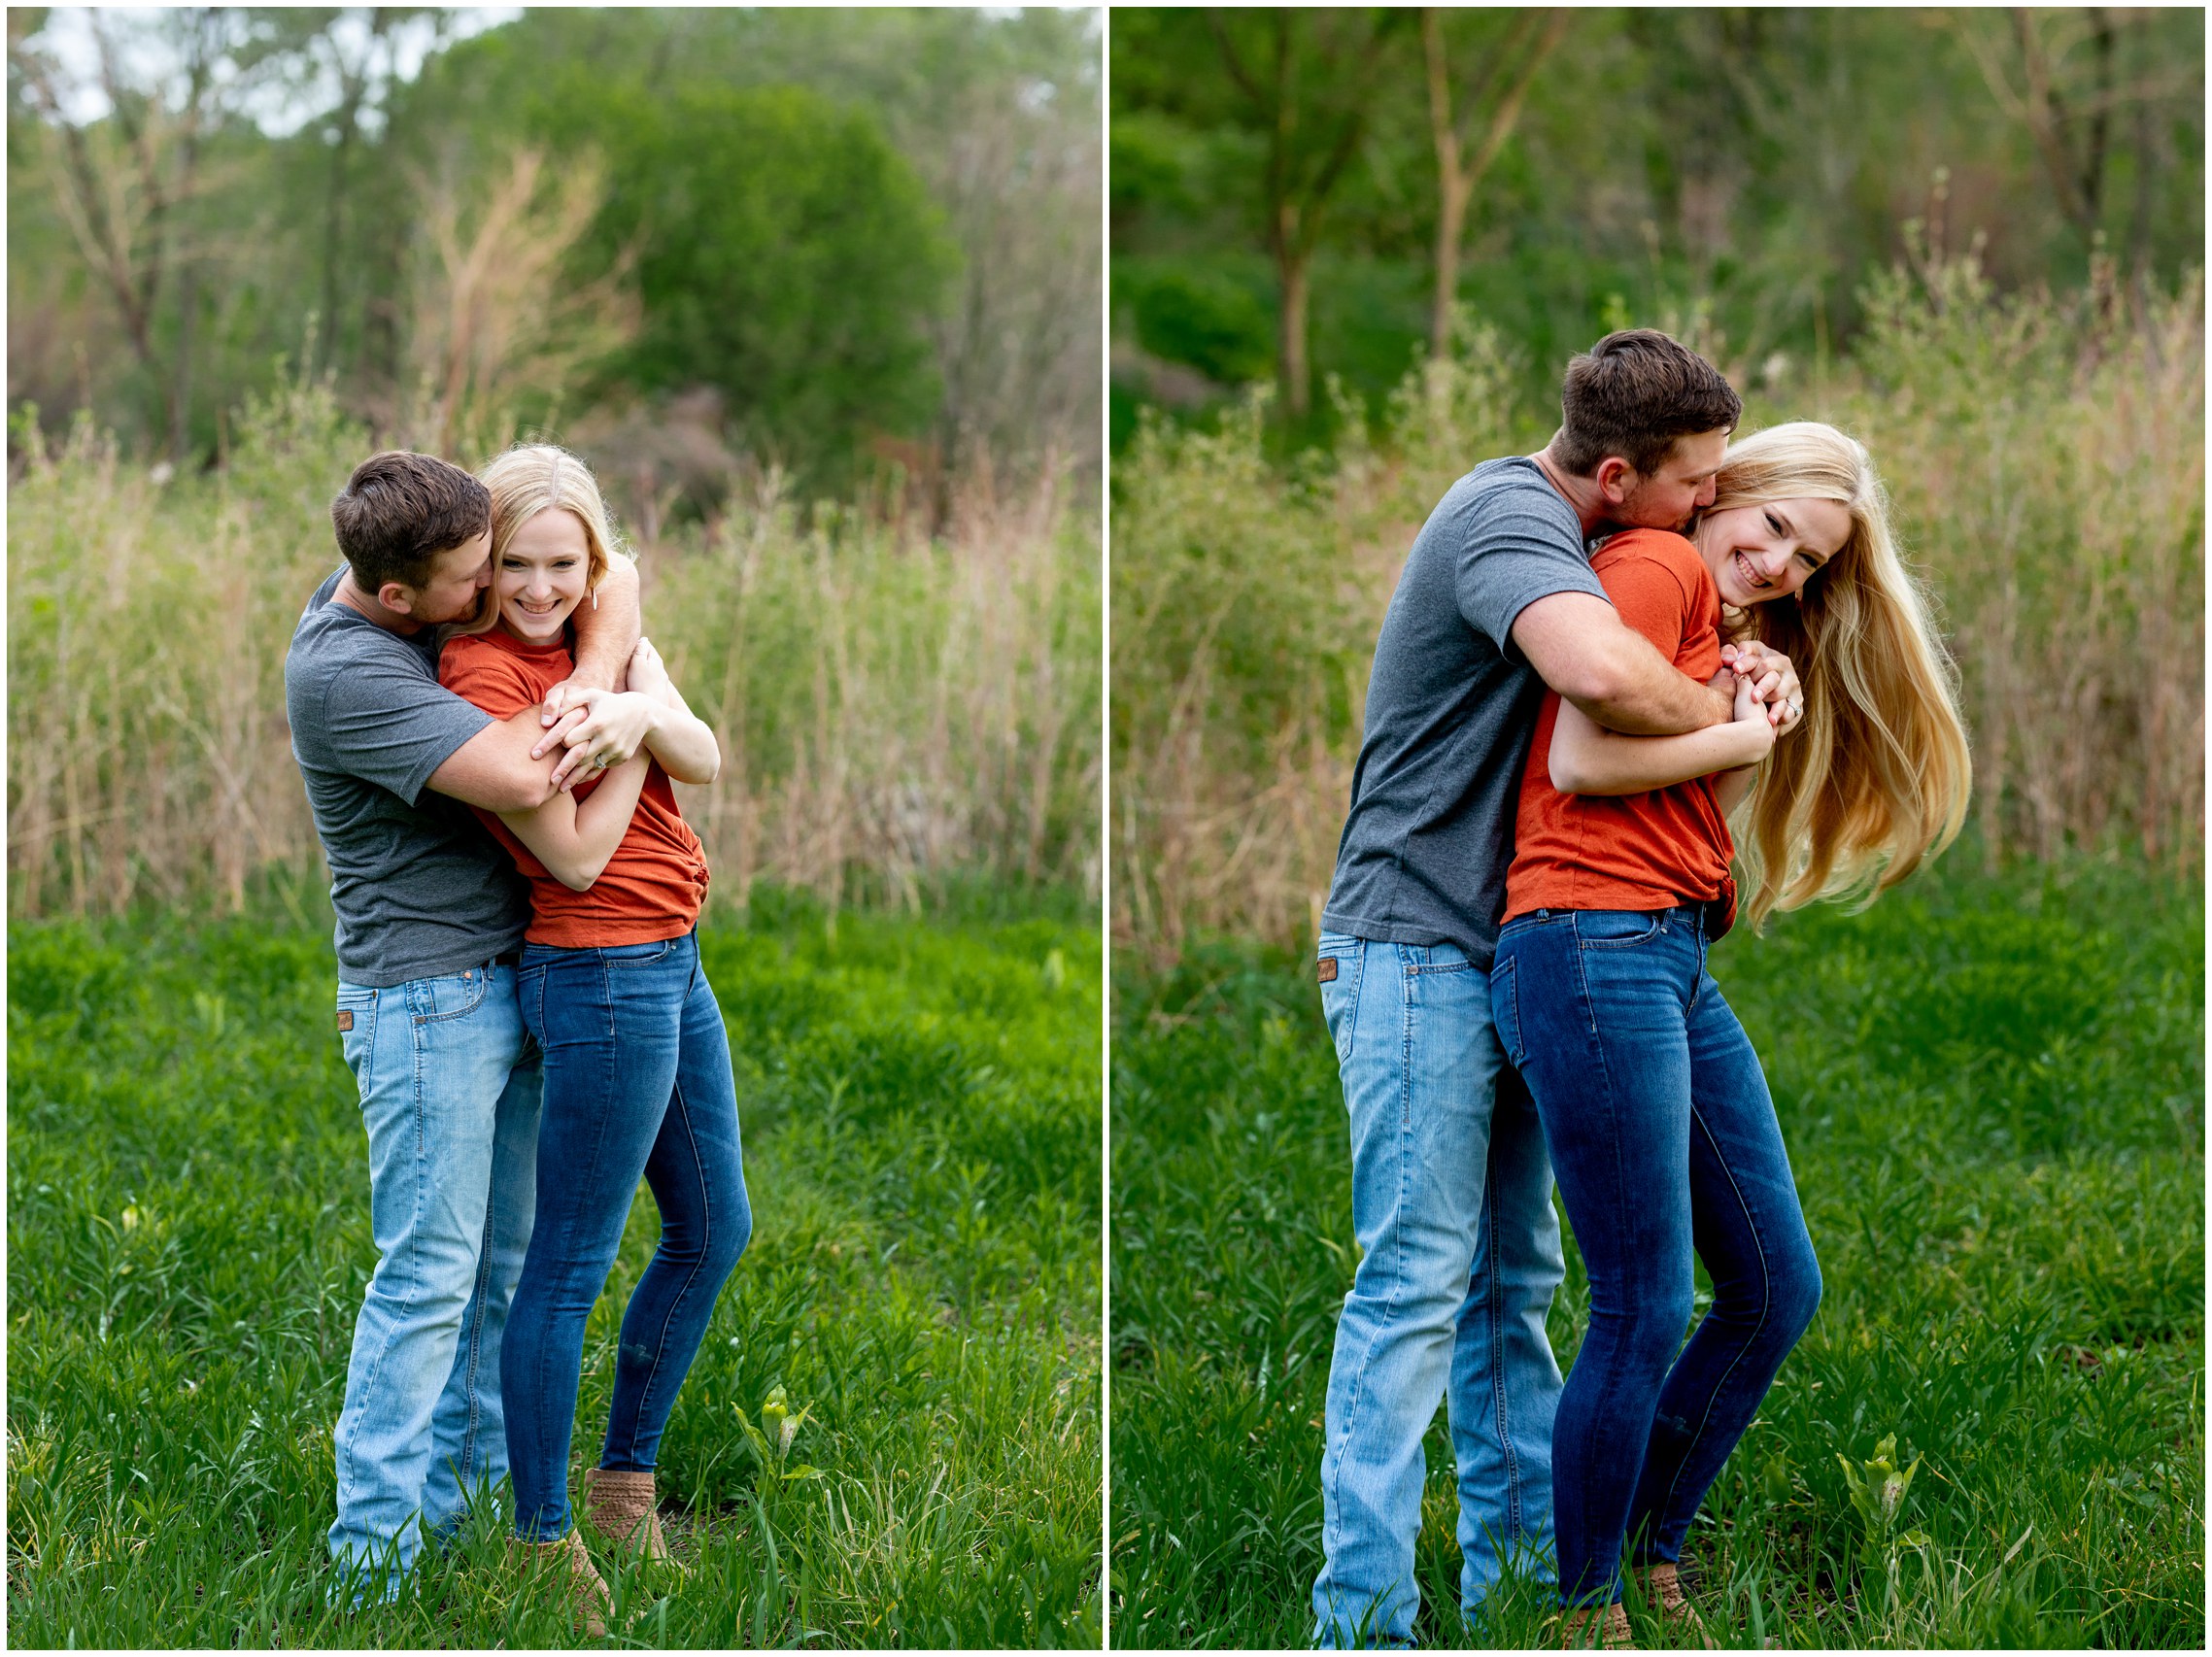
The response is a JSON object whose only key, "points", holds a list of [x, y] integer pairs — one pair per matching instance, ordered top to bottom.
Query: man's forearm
{"points": [[606, 630], [1581, 648], [1645, 695]]}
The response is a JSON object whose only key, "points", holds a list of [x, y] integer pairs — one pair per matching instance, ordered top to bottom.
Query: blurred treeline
{"points": [[1305, 193], [698, 242], [816, 293]]}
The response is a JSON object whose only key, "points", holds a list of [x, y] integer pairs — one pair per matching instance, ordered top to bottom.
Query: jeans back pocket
{"points": [[1339, 967], [356, 1032]]}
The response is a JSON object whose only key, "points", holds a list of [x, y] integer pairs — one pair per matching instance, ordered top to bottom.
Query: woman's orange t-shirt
{"points": [[1641, 851], [654, 884]]}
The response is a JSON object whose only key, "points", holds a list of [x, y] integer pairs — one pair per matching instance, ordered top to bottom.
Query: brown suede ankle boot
{"points": [[622, 1506], [1663, 1587], [589, 1601], [1611, 1631]]}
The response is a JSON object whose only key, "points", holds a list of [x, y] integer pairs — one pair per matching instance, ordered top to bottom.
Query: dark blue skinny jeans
{"points": [[638, 1082], [1663, 1139]]}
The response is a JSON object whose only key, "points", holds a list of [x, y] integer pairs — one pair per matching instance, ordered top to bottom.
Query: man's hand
{"points": [[1772, 681], [565, 710], [602, 730]]}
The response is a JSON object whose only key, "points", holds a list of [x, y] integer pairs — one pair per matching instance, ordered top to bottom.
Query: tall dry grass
{"points": [[2046, 455], [896, 709]]}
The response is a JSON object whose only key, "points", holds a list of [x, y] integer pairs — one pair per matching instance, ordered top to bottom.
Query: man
{"points": [[431, 916], [1451, 1188]]}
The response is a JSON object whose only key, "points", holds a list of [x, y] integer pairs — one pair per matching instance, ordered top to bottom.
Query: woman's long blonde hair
{"points": [[531, 478], [1877, 777]]}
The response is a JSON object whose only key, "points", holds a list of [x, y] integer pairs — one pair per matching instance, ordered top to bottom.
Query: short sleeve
{"points": [[1514, 552], [1648, 590], [386, 721]]}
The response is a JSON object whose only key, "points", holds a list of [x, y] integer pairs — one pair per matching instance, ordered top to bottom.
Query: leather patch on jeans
{"points": [[1326, 972], [345, 1018]]}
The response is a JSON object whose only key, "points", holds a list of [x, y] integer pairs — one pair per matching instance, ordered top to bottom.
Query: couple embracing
{"points": [[1595, 658], [488, 746]]}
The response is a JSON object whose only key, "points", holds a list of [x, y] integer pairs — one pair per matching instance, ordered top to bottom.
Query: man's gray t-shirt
{"points": [[1450, 708], [421, 890]]}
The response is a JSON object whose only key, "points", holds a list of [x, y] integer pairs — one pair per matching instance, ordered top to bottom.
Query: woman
{"points": [[637, 1077], [1662, 1135]]}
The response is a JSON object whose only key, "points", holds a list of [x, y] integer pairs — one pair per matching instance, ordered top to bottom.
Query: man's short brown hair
{"points": [[1632, 394], [399, 511]]}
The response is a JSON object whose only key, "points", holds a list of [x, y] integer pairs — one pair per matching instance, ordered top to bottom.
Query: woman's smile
{"points": [[541, 575], [1748, 575]]}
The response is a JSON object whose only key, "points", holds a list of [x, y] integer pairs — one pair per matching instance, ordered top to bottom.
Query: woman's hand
{"points": [[648, 674], [1773, 677], [1754, 714], [616, 724]]}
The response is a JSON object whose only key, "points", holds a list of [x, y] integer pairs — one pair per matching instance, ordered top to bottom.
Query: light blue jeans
{"points": [[448, 1093], [1451, 1202]]}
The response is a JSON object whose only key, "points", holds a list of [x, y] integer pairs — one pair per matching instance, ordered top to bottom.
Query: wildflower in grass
{"points": [[773, 1438], [1878, 1491]]}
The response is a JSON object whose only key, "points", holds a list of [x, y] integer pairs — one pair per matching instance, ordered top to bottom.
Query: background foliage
{"points": [[1735, 174], [849, 237], [2046, 457], [896, 709]]}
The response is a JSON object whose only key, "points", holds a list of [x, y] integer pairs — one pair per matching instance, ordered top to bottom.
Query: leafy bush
{"points": [[1213, 323]]}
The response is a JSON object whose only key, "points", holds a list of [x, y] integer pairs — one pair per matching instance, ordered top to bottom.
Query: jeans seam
{"points": [[1658, 931], [482, 980], [690, 1279], [1766, 1304], [1498, 1335], [473, 1344], [343, 1450], [1335, 1497], [1579, 1594]]}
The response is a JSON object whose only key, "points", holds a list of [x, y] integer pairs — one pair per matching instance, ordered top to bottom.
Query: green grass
{"points": [[1993, 1091], [188, 1243]]}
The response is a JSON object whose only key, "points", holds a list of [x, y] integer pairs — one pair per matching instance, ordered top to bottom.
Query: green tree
{"points": [[1296, 86], [786, 255]]}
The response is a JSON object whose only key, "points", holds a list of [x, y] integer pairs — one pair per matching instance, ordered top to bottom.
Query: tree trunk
{"points": [[1457, 172], [1452, 196], [1451, 217], [333, 231], [1291, 266], [180, 384]]}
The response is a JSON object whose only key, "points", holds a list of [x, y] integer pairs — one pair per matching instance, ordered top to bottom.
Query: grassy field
{"points": [[1992, 1090], [188, 1243]]}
